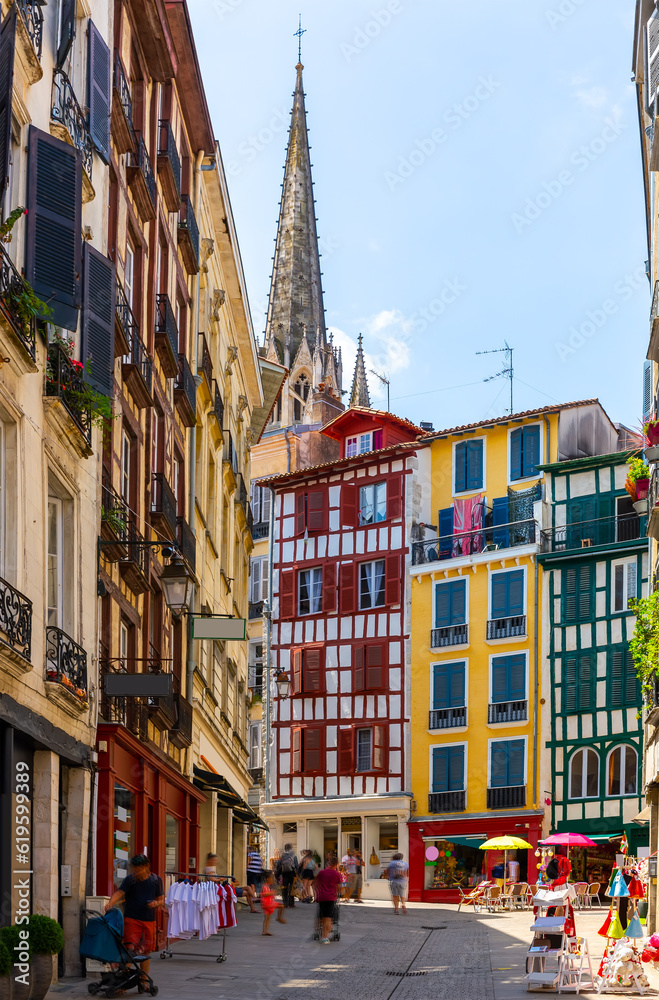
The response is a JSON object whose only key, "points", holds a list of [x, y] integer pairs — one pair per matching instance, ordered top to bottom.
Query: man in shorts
{"points": [[397, 873], [325, 887], [142, 894]]}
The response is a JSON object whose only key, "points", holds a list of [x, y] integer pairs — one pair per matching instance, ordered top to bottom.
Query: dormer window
{"points": [[361, 443]]}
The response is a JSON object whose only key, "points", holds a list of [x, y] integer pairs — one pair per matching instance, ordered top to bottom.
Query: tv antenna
{"points": [[506, 371], [384, 380]]}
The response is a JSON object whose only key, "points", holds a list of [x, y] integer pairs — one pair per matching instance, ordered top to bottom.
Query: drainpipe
{"points": [[288, 460], [267, 618], [536, 655]]}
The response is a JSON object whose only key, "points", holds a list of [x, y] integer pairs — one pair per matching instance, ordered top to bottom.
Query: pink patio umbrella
{"points": [[568, 840]]}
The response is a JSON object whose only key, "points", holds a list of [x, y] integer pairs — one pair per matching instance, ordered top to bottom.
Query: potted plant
{"points": [[651, 431], [638, 481], [46, 940], [5, 969], [20, 981]]}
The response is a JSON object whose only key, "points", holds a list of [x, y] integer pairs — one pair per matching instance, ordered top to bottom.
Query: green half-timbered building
{"points": [[595, 559]]}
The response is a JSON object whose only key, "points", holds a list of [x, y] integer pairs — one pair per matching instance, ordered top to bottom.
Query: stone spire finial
{"points": [[359, 393]]}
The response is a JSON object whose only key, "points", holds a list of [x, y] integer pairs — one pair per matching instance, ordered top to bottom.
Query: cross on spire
{"points": [[300, 31]]}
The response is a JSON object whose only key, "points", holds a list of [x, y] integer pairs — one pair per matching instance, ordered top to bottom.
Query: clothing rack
{"points": [[202, 876]]}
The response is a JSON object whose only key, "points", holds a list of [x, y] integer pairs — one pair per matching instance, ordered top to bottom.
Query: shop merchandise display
{"points": [[198, 906], [557, 959], [621, 966]]}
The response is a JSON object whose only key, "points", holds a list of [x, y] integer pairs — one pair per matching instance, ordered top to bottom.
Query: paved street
{"points": [[433, 952]]}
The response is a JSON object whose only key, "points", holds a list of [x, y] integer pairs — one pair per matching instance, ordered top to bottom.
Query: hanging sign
{"points": [[219, 628], [138, 685]]}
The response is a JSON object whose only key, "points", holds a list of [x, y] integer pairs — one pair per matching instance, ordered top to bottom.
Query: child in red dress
{"points": [[268, 902]]}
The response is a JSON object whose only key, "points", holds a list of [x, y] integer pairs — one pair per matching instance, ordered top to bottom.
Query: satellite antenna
{"points": [[506, 372], [384, 380]]}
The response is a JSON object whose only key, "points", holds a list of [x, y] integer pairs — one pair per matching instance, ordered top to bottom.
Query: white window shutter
{"points": [[652, 59], [647, 389], [266, 498], [256, 503], [264, 579], [256, 580]]}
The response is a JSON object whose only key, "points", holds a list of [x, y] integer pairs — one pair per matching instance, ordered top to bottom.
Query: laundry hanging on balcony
{"points": [[467, 518]]}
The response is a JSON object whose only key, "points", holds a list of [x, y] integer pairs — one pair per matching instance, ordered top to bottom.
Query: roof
{"points": [[189, 79], [272, 379], [368, 412], [513, 416], [587, 462], [339, 463]]}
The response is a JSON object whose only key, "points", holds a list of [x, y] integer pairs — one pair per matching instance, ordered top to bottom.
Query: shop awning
{"points": [[210, 781], [643, 818], [602, 838], [472, 840]]}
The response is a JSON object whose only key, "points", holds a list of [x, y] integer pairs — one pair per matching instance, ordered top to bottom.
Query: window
{"points": [[129, 274], [301, 391], [361, 443], [524, 452], [125, 466], [468, 466], [261, 498], [373, 503], [310, 511], [628, 522], [55, 561], [258, 579], [623, 584], [371, 585], [310, 591], [507, 594], [577, 594], [450, 603], [123, 644], [370, 661], [255, 666], [308, 676], [508, 678], [578, 682], [448, 686], [624, 687], [254, 745], [364, 749], [307, 750], [506, 763], [448, 769], [622, 771], [584, 774]]}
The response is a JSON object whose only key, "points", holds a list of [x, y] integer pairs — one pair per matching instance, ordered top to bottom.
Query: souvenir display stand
{"points": [[218, 907], [557, 960], [621, 970]]}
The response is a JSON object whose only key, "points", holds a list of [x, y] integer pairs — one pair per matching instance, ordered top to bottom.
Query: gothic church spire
{"points": [[359, 393]]}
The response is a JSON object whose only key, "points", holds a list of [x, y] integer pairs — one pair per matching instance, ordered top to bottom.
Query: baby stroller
{"points": [[318, 929], [102, 942]]}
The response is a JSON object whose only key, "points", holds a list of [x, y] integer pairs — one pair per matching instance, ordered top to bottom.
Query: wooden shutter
{"points": [[67, 31], [7, 45], [652, 59], [100, 93], [53, 252], [98, 303], [647, 377], [530, 450], [516, 454], [474, 461], [460, 467], [395, 497], [266, 500], [256, 503], [349, 505], [317, 510], [300, 513], [501, 515], [445, 523], [265, 579], [392, 580], [255, 581], [329, 587], [347, 587], [515, 592], [287, 593], [499, 595], [570, 595], [458, 596], [442, 605], [584, 606], [374, 657], [312, 666], [359, 668], [297, 671], [517, 678], [500, 679], [585, 683], [570, 684], [457, 685], [616, 685], [440, 687], [631, 687], [313, 747], [379, 748], [296, 751], [345, 754], [456, 756], [516, 763], [498, 765], [440, 769]]}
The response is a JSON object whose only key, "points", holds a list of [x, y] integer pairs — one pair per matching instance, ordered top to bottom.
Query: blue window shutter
{"points": [[647, 389], [530, 450], [516, 454], [474, 465], [460, 467], [500, 515], [445, 522], [458, 590], [515, 592], [499, 595], [443, 605], [517, 677], [500, 679], [440, 687], [457, 695], [456, 756], [516, 762], [499, 765], [440, 769]]}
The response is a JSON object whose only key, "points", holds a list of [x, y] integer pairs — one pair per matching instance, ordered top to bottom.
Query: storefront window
{"points": [[124, 832], [171, 847], [452, 863]]}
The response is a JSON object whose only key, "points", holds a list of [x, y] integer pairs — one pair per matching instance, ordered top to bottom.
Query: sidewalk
{"points": [[433, 952]]}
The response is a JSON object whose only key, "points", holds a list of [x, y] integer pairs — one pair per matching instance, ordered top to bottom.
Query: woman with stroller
{"points": [[307, 871], [142, 894]]}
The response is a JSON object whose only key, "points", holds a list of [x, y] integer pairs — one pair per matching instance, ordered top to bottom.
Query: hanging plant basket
{"points": [[652, 453], [642, 487], [641, 506]]}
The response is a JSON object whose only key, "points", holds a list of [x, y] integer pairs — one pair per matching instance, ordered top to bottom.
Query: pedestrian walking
{"points": [[351, 867], [254, 870], [307, 870], [286, 871], [398, 873], [325, 887], [242, 891], [141, 893], [269, 903]]}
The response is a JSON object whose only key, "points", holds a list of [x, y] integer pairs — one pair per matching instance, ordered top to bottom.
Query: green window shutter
{"points": [[461, 467], [516, 592], [577, 594], [499, 595], [569, 595], [458, 602], [585, 603], [442, 605], [517, 677], [616, 678], [500, 679], [570, 684], [632, 685], [440, 687], [585, 687], [457, 696]]}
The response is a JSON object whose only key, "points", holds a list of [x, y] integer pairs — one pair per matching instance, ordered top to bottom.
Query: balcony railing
{"points": [[32, 12], [122, 87], [66, 110], [123, 132], [169, 165], [142, 181], [188, 235], [13, 293], [167, 335], [206, 365], [139, 369], [64, 380], [185, 392], [218, 407], [240, 495], [163, 503], [115, 521], [261, 530], [600, 531], [187, 542], [465, 543], [134, 566], [255, 610], [15, 620], [506, 628], [450, 635], [66, 662], [111, 709], [508, 711], [447, 718], [507, 797], [445, 802]]}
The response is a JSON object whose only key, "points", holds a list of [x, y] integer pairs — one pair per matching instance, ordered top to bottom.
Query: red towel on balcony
{"points": [[467, 516]]}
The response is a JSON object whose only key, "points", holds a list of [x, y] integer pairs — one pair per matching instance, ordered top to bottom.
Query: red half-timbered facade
{"points": [[339, 769]]}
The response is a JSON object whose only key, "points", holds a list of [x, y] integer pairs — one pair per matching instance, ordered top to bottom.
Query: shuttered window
{"points": [[66, 31], [7, 44], [652, 59], [99, 92], [53, 245], [98, 305], [647, 382], [524, 452], [468, 466], [395, 497], [261, 499], [349, 505], [311, 511], [445, 523], [258, 578], [392, 583], [623, 584], [371, 585], [286, 593], [507, 594], [578, 597], [450, 603], [369, 665], [308, 673], [509, 678], [578, 683], [448, 686], [624, 687], [307, 750], [345, 751], [506, 763], [448, 769]]}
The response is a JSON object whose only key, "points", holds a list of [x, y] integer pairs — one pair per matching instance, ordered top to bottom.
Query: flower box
{"points": [[642, 487]]}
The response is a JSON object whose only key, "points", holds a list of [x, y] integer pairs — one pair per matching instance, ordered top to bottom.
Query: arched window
{"points": [[301, 390], [622, 771], [584, 776]]}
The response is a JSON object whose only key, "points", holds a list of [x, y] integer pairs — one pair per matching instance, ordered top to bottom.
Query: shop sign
{"points": [[219, 628], [138, 685], [351, 823]]}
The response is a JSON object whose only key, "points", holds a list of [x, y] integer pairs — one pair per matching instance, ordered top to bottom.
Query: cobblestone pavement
{"points": [[433, 952]]}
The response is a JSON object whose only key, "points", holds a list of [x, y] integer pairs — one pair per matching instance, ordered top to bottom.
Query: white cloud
{"points": [[592, 98], [387, 341]]}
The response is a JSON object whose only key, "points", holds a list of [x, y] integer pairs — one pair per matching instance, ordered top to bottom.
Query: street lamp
{"points": [[177, 586], [283, 683]]}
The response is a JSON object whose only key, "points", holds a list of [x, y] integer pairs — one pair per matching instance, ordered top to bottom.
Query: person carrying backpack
{"points": [[286, 871], [397, 873]]}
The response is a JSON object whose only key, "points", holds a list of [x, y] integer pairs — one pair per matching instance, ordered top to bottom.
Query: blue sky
{"points": [[478, 179]]}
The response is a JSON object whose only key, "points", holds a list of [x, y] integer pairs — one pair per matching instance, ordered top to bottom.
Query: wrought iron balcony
{"points": [[32, 13], [66, 110], [122, 110], [169, 165], [142, 181], [188, 235], [14, 306], [166, 336], [206, 365], [137, 370], [64, 380], [185, 392], [218, 407], [240, 495], [163, 505], [115, 521], [261, 529], [600, 531], [187, 542], [466, 543], [134, 567], [255, 610], [15, 620], [506, 628], [450, 635], [66, 662], [111, 709], [508, 711], [447, 718], [507, 797], [445, 802]]}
